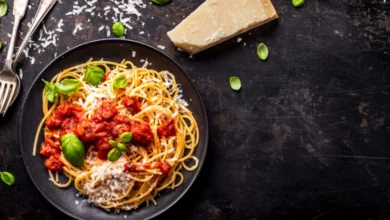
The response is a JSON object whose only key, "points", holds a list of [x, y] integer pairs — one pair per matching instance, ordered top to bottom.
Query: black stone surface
{"points": [[307, 137]]}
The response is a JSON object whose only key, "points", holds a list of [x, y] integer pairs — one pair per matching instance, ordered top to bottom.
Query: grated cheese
{"points": [[118, 10], [77, 28], [101, 28], [161, 47], [107, 181]]}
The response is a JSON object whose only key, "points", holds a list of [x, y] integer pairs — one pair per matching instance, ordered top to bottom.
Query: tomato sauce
{"points": [[132, 104], [106, 124], [167, 129], [142, 134], [163, 165]]}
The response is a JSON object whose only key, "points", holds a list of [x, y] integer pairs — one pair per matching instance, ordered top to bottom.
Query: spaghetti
{"points": [[165, 134]]}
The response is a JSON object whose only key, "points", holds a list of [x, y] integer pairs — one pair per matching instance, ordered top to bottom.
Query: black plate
{"points": [[113, 50]]}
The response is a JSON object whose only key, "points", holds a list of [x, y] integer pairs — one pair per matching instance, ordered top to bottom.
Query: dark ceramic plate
{"points": [[113, 50]]}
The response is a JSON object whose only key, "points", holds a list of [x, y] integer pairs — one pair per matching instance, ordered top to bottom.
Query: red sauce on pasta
{"points": [[106, 124]]}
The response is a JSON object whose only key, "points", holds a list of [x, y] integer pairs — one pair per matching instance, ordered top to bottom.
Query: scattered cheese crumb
{"points": [[77, 28], [101, 28], [108, 31], [239, 40], [161, 47]]}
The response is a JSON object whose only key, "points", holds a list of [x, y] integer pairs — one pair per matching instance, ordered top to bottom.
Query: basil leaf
{"points": [[161, 2], [298, 3], [3, 8], [118, 29], [1, 45], [262, 51], [94, 75], [119, 82], [235, 83], [67, 86], [50, 91], [125, 137], [113, 143], [122, 148], [73, 149], [114, 155], [7, 178]]}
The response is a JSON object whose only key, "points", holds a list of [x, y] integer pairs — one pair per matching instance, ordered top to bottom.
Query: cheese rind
{"points": [[218, 20]]}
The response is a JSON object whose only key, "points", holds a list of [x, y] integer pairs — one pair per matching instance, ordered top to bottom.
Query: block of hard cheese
{"points": [[218, 20]]}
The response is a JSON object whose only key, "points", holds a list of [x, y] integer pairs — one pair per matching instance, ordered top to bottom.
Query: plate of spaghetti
{"points": [[113, 128]]}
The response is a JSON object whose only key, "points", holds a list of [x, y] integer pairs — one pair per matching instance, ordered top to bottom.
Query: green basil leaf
{"points": [[161, 2], [298, 3], [3, 8], [118, 29], [1, 45], [262, 51], [94, 75], [119, 82], [235, 83], [67, 86], [50, 91], [125, 137], [113, 143], [122, 148], [73, 149], [114, 155], [7, 178]]}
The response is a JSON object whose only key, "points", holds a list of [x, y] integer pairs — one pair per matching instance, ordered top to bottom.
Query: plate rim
{"points": [[204, 112]]}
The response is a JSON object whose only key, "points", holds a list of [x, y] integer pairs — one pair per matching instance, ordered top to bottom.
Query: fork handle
{"points": [[44, 7], [11, 46]]}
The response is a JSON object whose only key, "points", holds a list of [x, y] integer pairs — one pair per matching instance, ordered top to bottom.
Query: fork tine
{"points": [[2, 86], [10, 96], [3, 97]]}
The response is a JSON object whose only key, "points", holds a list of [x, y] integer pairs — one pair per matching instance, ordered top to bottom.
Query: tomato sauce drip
{"points": [[106, 75], [132, 104], [106, 124], [167, 129], [142, 134], [52, 151], [163, 165]]}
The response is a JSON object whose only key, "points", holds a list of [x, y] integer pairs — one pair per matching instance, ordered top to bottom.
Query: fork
{"points": [[9, 80]]}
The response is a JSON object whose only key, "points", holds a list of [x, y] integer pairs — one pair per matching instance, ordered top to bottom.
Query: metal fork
{"points": [[9, 81]]}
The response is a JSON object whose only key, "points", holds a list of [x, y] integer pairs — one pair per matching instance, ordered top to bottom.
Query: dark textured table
{"points": [[307, 137]]}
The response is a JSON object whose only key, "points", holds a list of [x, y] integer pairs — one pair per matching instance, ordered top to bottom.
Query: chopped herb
{"points": [[160, 2], [298, 3], [3, 8], [118, 29], [1, 45], [262, 51], [94, 75], [119, 82], [235, 83], [67, 86], [51, 92], [126, 137], [113, 143], [122, 148], [73, 149], [114, 155], [7, 178]]}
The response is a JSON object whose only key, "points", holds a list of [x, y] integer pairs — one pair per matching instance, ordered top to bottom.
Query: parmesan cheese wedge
{"points": [[218, 20]]}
